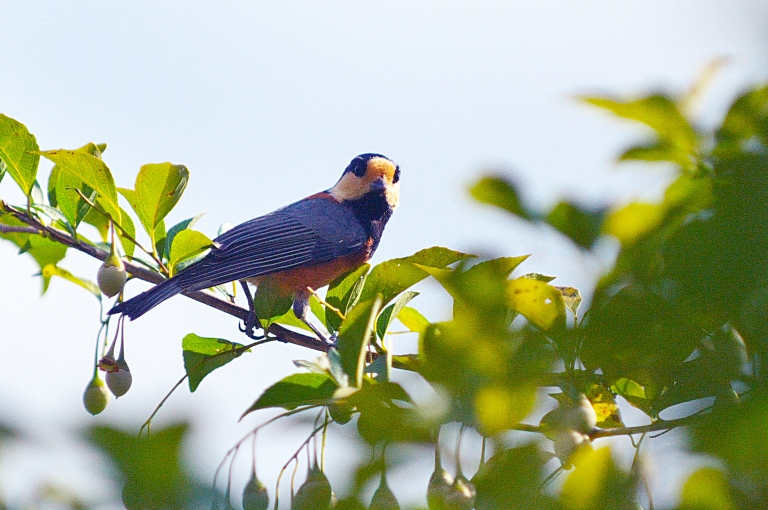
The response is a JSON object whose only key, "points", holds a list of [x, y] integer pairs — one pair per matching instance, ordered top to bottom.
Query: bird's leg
{"points": [[301, 310], [251, 322]]}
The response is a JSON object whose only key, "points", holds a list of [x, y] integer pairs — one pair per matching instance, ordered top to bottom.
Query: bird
{"points": [[299, 248]]}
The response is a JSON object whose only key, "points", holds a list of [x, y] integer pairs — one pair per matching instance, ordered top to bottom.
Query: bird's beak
{"points": [[379, 184]]}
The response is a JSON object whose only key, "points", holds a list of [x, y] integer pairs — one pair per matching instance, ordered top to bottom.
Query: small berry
{"points": [[111, 276], [119, 380], [96, 396], [567, 443], [438, 489], [315, 493], [255, 495], [384, 498]]}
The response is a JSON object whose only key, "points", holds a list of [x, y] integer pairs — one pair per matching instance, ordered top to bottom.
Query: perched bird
{"points": [[302, 246]]}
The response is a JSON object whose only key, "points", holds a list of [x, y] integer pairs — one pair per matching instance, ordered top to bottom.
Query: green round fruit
{"points": [[111, 276], [96, 396], [255, 495]]}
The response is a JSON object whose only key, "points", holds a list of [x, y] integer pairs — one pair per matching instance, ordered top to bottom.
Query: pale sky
{"points": [[267, 103]]}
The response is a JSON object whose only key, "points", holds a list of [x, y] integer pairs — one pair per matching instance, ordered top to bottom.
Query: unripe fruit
{"points": [[111, 276], [119, 381], [96, 396], [582, 417], [567, 443], [439, 488], [315, 493], [255, 495], [384, 498]]}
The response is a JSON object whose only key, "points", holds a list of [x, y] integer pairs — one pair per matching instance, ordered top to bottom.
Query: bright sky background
{"points": [[267, 103]]}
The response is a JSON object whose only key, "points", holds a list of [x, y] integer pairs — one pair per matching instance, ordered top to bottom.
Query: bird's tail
{"points": [[144, 302]]}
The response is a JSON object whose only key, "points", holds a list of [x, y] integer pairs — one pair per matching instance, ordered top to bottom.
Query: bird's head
{"points": [[369, 174]]}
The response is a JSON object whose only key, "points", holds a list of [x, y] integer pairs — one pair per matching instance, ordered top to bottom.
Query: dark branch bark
{"points": [[281, 333]]}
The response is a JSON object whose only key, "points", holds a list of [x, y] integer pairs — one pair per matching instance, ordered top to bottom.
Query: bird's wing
{"points": [[311, 231]]}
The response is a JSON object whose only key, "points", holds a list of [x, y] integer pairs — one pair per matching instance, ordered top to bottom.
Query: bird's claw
{"points": [[249, 326]]}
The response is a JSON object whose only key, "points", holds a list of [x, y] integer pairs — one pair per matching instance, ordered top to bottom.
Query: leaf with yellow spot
{"points": [[540, 303], [606, 409]]}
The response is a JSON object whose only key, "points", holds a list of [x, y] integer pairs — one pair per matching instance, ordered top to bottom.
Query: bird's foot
{"points": [[250, 325]]}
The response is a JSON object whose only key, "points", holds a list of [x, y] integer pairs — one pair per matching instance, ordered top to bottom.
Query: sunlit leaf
{"points": [[16, 143], [91, 170], [158, 188], [65, 190], [633, 222], [127, 223], [182, 225], [187, 244], [42, 249], [51, 270], [392, 277], [540, 303], [413, 319], [204, 355], [296, 390], [499, 408], [606, 409], [596, 483]]}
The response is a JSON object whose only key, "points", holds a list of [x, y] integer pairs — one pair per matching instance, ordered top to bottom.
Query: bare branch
{"points": [[9, 229], [281, 333]]}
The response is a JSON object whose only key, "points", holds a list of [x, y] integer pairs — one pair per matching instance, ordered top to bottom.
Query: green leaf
{"points": [[747, 118], [678, 140], [18, 149], [2, 170], [90, 170], [63, 186], [157, 190], [499, 191], [633, 222], [127, 223], [579, 224], [182, 225], [187, 244], [42, 249], [51, 270], [392, 277], [343, 294], [270, 302], [540, 303], [390, 313], [413, 320], [354, 335], [204, 355], [296, 390], [151, 465], [597, 483], [707, 489]]}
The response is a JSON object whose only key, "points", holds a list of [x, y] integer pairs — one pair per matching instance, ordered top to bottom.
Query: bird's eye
{"points": [[397, 175]]}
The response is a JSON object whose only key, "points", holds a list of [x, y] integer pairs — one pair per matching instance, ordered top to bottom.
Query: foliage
{"points": [[679, 320]]}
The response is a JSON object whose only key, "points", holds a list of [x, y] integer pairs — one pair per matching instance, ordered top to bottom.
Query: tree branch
{"points": [[281, 333]]}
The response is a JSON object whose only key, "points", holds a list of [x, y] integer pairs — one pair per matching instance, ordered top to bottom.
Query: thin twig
{"points": [[280, 333]]}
